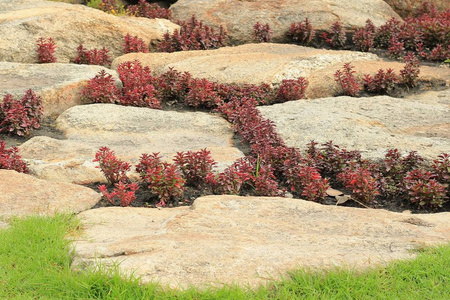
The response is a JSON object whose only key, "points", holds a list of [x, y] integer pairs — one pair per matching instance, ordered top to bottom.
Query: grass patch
{"points": [[35, 262]]}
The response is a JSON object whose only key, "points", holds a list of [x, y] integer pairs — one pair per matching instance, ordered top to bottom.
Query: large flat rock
{"points": [[239, 16], [22, 22], [271, 63], [59, 85], [372, 125], [129, 131], [23, 195], [249, 240]]}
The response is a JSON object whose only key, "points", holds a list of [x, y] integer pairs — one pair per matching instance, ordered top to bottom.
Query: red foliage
{"points": [[149, 10], [302, 32], [386, 32], [262, 33], [336, 37], [364, 37], [132, 44], [396, 48], [46, 49], [92, 57], [410, 72], [347, 81], [382, 82], [172, 85], [101, 89], [292, 89], [202, 93], [260, 93], [11, 160], [195, 166], [114, 169], [361, 182], [424, 190], [123, 192]]}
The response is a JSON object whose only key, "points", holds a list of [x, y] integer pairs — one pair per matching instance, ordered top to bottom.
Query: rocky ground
{"points": [[219, 239]]}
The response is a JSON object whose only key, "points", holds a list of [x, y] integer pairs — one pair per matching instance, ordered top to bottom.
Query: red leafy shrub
{"points": [[149, 10], [302, 32], [386, 32], [262, 33], [193, 35], [336, 37], [364, 37], [133, 44], [396, 48], [46, 49], [438, 53], [92, 57], [410, 72], [347, 81], [382, 82], [172, 85], [101, 89], [138, 89], [292, 89], [202, 93], [262, 93], [20, 116], [11, 160], [195, 166], [441, 167], [114, 169], [162, 179], [264, 180], [361, 182], [424, 190], [123, 192]]}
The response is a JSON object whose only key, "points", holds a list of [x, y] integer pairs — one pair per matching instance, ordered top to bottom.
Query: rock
{"points": [[407, 8], [239, 16], [23, 22], [271, 63], [59, 85], [372, 125], [129, 131], [23, 195], [248, 240]]}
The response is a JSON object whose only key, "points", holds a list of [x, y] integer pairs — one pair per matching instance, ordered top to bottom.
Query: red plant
{"points": [[110, 6], [149, 10], [302, 32], [386, 32], [262, 33], [193, 35], [336, 37], [364, 37], [132, 44], [396, 48], [46, 49], [438, 53], [92, 57], [410, 72], [347, 81], [382, 82], [173, 85], [101, 89], [292, 89], [202, 93], [260, 93], [20, 116], [11, 160], [195, 166], [441, 167], [114, 169], [163, 179], [232, 179], [361, 182], [424, 190], [124, 192]]}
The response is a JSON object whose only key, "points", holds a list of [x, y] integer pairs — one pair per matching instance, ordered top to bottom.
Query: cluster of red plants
{"points": [[149, 10], [302, 32], [262, 33], [132, 44], [46, 50], [93, 56], [292, 89], [20, 116], [11, 160]]}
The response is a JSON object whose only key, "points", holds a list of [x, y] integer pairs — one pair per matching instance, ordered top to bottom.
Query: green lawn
{"points": [[35, 262]]}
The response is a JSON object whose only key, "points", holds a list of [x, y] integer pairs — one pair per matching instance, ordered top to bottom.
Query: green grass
{"points": [[35, 262]]}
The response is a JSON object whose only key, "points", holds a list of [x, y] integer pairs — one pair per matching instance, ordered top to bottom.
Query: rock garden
{"points": [[216, 142]]}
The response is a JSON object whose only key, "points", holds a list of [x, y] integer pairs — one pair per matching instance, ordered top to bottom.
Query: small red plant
{"points": [[149, 10], [302, 32], [386, 32], [262, 33], [336, 37], [364, 37], [133, 44], [396, 47], [46, 50], [439, 53], [92, 57], [410, 72], [347, 81], [382, 82], [172, 85], [101, 89], [292, 89], [202, 93], [260, 93], [20, 116], [11, 160], [195, 166], [441, 167], [114, 169], [163, 179], [232, 179], [305, 180], [361, 182], [424, 190], [123, 192]]}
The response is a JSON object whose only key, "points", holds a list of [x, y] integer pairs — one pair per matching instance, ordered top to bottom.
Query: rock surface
{"points": [[239, 16], [22, 22], [271, 63], [59, 85], [372, 125], [129, 131], [23, 195], [248, 240]]}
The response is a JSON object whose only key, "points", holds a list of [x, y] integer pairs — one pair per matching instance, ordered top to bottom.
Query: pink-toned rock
{"points": [[239, 16], [23, 195], [248, 240]]}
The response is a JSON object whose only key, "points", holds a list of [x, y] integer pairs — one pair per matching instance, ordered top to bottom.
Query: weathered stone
{"points": [[407, 8], [239, 16], [23, 22], [271, 63], [59, 85], [372, 125], [129, 131], [23, 195], [248, 240]]}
